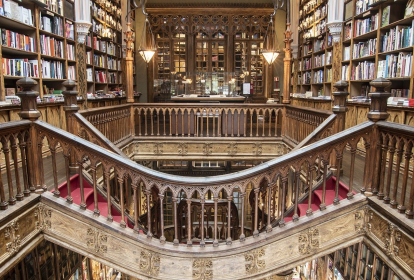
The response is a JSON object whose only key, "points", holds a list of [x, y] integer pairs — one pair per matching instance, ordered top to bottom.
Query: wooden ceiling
{"points": [[209, 3]]}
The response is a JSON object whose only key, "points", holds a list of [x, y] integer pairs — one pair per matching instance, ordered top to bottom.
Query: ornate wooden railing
{"points": [[269, 186]]}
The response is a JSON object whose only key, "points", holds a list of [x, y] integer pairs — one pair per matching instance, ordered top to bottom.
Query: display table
{"points": [[207, 99]]}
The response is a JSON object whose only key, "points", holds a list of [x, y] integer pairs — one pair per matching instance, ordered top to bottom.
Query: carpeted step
{"points": [[76, 194], [303, 207]]}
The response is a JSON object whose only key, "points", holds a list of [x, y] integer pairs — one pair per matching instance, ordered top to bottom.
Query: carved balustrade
{"points": [[300, 122]]}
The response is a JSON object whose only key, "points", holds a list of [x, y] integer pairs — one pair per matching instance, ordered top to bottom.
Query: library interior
{"points": [[206, 139]]}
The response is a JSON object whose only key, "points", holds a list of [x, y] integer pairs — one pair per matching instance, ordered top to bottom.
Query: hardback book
{"points": [[1, 8], [7, 8], [409, 9], [348, 10], [16, 11], [10, 91]]}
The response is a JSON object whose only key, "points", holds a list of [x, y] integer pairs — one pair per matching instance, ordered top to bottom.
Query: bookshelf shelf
{"points": [[7, 23], [386, 50], [14, 51]]}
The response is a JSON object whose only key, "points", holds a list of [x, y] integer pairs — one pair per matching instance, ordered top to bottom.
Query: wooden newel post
{"points": [[129, 60], [287, 64], [379, 98], [70, 107], [339, 108], [30, 112], [377, 112]]}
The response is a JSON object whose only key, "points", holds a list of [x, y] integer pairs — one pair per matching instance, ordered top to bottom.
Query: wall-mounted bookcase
{"points": [[38, 40], [378, 42], [104, 47], [315, 49]]}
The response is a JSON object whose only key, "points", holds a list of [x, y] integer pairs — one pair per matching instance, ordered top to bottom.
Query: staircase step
{"points": [[76, 194], [302, 208]]}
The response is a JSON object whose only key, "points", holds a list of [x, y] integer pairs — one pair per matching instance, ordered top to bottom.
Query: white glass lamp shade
{"points": [[147, 54], [270, 55]]}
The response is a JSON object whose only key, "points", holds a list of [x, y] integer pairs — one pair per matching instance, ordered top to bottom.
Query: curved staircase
{"points": [[317, 197], [89, 199]]}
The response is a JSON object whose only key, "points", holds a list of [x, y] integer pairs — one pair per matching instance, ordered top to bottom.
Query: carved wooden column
{"points": [[129, 60], [287, 63], [336, 63], [82, 79], [29, 112], [378, 112], [229, 200], [269, 202], [283, 206], [256, 212], [149, 233], [242, 235], [162, 238], [176, 242], [202, 242], [215, 242]]}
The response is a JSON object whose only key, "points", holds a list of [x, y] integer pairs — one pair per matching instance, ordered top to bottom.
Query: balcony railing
{"points": [[269, 189]]}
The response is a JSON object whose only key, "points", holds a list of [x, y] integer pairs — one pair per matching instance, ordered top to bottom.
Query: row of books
{"points": [[362, 5], [55, 6], [114, 8], [13, 10], [320, 12], [102, 15], [52, 25], [366, 25], [320, 28], [101, 30], [397, 38], [18, 41], [319, 44], [99, 45], [51, 46], [113, 49], [307, 49], [363, 49], [70, 50], [347, 53], [88, 57], [99, 60], [319, 60], [113, 63], [307, 64], [395, 66], [21, 67], [52, 69], [365, 70], [72, 72], [345, 72], [329, 75], [100, 77], [318, 77], [112, 78], [306, 78], [400, 92]]}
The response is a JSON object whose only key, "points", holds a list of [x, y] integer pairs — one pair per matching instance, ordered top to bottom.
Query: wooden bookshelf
{"points": [[51, 26], [377, 34], [50, 45], [315, 52]]}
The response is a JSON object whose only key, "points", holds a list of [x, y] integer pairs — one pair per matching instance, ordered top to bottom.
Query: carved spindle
{"points": [[13, 142], [391, 150], [6, 152], [23, 153], [407, 157], [383, 165], [324, 175], [55, 177], [338, 177], [284, 181], [82, 190], [350, 193], [108, 195], [161, 197], [69, 198], [122, 200], [229, 200], [394, 202], [269, 205], [136, 206], [96, 211], [256, 212], [309, 212], [409, 213], [295, 216], [189, 225], [149, 233], [242, 235], [176, 242], [202, 242], [215, 242]]}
